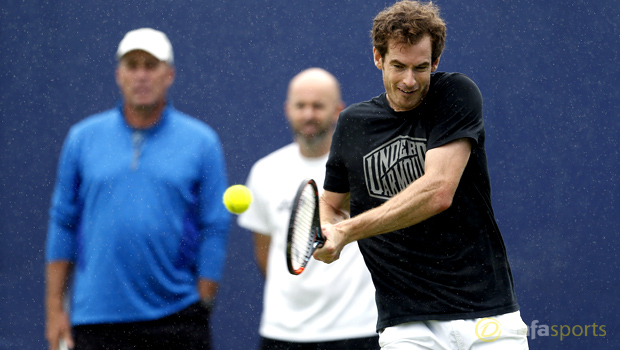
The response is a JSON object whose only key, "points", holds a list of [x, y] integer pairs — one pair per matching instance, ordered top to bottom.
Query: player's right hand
{"points": [[334, 242]]}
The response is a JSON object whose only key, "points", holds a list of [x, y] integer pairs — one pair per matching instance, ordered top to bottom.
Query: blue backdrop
{"points": [[548, 71]]}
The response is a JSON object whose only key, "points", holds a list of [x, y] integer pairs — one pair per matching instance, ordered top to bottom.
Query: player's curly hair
{"points": [[407, 22]]}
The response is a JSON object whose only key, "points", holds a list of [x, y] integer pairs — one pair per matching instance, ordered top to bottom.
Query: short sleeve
{"points": [[460, 113], [336, 174], [255, 218]]}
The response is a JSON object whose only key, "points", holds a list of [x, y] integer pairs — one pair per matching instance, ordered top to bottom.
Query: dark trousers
{"points": [[187, 329], [369, 343]]}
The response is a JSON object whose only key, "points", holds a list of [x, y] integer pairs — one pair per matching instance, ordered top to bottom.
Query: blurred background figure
{"points": [[137, 228], [327, 306]]}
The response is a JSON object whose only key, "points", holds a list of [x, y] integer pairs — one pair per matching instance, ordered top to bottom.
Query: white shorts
{"points": [[505, 332]]}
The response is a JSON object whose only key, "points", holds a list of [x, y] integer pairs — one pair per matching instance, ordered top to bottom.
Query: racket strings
{"points": [[303, 233]]}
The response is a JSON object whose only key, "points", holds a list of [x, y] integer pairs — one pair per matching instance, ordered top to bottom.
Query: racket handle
{"points": [[320, 239]]}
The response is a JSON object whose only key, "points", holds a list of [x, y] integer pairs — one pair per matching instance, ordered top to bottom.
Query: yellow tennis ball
{"points": [[237, 199]]}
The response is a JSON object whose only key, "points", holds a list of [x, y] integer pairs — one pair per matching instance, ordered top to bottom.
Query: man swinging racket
{"points": [[409, 168]]}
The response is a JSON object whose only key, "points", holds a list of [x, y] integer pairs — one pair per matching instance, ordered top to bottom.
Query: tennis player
{"points": [[411, 164]]}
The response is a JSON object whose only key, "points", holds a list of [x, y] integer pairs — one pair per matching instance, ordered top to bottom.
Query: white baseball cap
{"points": [[146, 39]]}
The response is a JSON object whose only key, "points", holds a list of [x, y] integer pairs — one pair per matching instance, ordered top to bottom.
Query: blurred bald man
{"points": [[328, 306]]}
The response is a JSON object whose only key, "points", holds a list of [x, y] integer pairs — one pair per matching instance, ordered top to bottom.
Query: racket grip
{"points": [[319, 240]]}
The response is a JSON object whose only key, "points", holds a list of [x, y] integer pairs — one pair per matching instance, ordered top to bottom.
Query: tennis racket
{"points": [[304, 229]]}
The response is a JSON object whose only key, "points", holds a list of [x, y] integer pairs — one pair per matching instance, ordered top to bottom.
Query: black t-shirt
{"points": [[452, 265]]}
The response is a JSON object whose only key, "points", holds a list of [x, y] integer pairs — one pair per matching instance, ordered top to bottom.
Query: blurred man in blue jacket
{"points": [[137, 228]]}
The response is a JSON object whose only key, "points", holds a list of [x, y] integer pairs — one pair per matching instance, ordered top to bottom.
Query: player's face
{"points": [[406, 73], [143, 79], [312, 110]]}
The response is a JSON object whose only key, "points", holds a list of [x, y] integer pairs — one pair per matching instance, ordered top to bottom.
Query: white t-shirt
{"points": [[324, 303]]}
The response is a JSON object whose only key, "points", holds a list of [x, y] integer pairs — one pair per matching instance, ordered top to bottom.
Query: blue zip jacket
{"points": [[140, 214]]}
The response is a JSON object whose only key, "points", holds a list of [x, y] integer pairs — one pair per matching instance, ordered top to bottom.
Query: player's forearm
{"points": [[427, 196], [421, 200], [334, 207]]}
